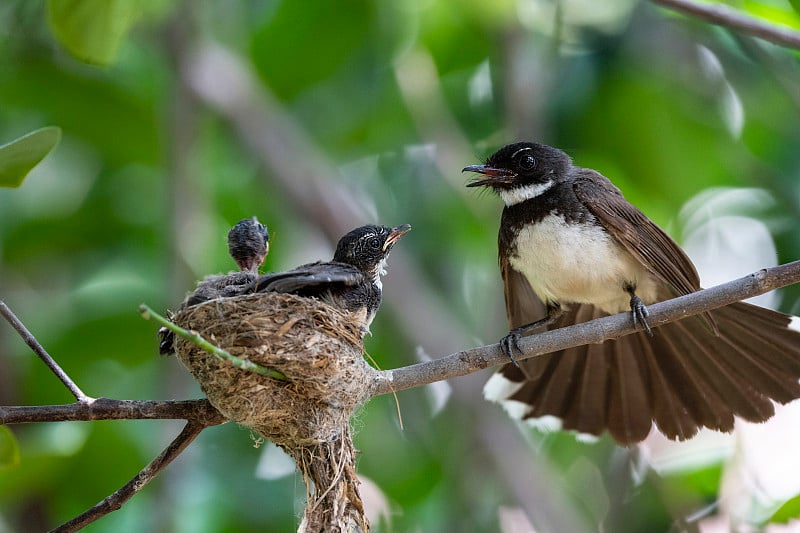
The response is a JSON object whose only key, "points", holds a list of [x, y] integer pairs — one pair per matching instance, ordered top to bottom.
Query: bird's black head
{"points": [[521, 171], [248, 244], [367, 247]]}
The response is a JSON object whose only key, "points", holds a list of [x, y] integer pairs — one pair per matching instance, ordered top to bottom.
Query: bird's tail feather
{"points": [[682, 379]]}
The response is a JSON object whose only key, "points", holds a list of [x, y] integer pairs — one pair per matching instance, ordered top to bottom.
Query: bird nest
{"points": [[316, 346]]}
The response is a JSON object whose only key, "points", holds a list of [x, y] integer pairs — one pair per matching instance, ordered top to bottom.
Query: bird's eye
{"points": [[527, 162], [375, 243]]}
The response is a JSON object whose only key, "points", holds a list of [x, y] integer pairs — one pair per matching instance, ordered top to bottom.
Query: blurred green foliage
{"points": [[395, 98]]}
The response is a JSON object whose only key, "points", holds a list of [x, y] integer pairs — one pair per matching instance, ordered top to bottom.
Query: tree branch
{"points": [[723, 15], [595, 331], [39, 350], [195, 411], [200, 414], [116, 500]]}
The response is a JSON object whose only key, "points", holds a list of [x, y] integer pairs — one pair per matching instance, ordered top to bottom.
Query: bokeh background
{"points": [[320, 116]]}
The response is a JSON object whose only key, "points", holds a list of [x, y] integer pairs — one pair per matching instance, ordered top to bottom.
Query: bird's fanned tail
{"points": [[623, 387]]}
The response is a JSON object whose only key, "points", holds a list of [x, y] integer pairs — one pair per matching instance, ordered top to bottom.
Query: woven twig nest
{"points": [[316, 346], [319, 350]]}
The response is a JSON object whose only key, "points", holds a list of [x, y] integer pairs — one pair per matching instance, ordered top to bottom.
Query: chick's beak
{"points": [[494, 176], [395, 234]]}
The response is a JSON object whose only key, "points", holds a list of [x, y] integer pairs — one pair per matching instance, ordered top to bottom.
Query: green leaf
{"points": [[796, 5], [779, 14], [92, 30], [18, 157], [9, 449], [790, 510]]}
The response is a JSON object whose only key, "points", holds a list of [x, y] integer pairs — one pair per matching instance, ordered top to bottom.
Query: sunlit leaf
{"points": [[774, 13], [92, 30], [18, 157], [9, 449], [790, 510]]}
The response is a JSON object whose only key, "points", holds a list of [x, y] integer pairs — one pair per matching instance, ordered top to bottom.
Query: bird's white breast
{"points": [[579, 263]]}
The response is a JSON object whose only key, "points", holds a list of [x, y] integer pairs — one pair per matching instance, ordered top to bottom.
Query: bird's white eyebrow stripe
{"points": [[520, 150]]}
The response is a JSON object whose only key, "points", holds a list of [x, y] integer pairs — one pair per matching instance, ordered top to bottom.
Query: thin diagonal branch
{"points": [[729, 17], [595, 331], [31, 341], [116, 500]]}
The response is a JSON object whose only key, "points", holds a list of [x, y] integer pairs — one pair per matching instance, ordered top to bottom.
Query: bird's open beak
{"points": [[494, 176], [395, 235]]}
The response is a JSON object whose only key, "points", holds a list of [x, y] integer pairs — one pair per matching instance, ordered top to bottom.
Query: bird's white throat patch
{"points": [[520, 194], [380, 271]]}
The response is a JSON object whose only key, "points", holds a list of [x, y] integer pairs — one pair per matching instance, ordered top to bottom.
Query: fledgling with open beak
{"points": [[351, 281]]}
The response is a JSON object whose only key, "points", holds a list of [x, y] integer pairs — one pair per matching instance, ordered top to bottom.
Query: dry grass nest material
{"points": [[317, 347]]}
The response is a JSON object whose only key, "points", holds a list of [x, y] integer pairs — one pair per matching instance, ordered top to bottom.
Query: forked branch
{"points": [[117, 499]]}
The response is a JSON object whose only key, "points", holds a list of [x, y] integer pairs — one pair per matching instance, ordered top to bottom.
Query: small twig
{"points": [[729, 17], [595, 331], [196, 338], [31, 341], [116, 500]]}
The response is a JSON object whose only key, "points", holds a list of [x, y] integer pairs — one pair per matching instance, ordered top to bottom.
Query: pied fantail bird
{"points": [[571, 249]]}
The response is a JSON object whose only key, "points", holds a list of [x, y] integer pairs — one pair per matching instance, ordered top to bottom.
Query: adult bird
{"points": [[571, 249]]}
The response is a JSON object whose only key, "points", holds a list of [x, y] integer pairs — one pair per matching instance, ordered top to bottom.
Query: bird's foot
{"points": [[639, 313], [510, 343]]}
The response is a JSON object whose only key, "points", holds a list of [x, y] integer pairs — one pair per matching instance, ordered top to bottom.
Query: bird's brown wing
{"points": [[636, 233]]}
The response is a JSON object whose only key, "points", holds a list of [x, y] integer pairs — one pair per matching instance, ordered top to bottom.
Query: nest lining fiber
{"points": [[316, 346]]}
